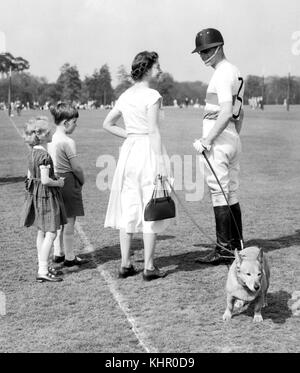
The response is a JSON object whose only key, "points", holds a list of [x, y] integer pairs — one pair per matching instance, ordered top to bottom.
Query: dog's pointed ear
{"points": [[260, 255], [238, 258]]}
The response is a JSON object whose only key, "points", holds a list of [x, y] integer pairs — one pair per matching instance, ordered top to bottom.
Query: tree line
{"points": [[98, 88]]}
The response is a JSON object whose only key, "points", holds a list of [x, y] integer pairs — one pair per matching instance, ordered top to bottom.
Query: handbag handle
{"points": [[166, 194]]}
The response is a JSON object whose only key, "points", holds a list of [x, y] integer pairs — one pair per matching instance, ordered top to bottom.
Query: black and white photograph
{"points": [[149, 179]]}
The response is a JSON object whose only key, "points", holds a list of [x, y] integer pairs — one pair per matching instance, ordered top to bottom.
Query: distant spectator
{"points": [[196, 105]]}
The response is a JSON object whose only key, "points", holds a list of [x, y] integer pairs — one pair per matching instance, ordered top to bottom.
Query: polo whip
{"points": [[226, 199]]}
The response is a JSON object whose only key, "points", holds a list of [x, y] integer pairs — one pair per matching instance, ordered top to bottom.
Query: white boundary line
{"points": [[16, 128], [111, 283]]}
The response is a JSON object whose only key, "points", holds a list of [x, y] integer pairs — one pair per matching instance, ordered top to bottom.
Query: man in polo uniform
{"points": [[223, 116]]}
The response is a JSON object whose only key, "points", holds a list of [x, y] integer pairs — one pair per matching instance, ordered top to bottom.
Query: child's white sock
{"points": [[68, 239], [39, 243], [58, 244], [68, 246], [45, 253], [43, 268]]}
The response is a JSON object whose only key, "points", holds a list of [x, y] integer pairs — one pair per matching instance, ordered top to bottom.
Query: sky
{"points": [[258, 34]]}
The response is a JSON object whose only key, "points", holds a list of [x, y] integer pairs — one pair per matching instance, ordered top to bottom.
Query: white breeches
{"points": [[224, 159]]}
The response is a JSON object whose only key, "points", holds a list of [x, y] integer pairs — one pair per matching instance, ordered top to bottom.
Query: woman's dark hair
{"points": [[142, 63], [63, 111]]}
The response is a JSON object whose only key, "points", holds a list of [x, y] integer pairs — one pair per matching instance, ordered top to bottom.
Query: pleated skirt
{"points": [[132, 187]]}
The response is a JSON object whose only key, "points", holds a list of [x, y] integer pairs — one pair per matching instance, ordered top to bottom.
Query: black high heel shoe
{"points": [[125, 272], [153, 274]]}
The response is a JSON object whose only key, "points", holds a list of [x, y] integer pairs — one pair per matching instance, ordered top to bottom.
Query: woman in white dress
{"points": [[142, 158]]}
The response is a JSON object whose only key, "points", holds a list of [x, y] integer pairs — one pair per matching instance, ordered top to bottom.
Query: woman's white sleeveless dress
{"points": [[132, 184]]}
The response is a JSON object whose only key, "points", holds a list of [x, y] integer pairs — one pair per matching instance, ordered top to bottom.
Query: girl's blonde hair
{"points": [[35, 130]]}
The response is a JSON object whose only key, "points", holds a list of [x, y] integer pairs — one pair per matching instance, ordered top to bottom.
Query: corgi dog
{"points": [[248, 281]]}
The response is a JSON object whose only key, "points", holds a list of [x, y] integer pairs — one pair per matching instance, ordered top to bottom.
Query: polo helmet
{"points": [[208, 38]]}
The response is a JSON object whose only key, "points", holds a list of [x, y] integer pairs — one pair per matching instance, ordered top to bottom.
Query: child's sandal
{"points": [[54, 271], [48, 277]]}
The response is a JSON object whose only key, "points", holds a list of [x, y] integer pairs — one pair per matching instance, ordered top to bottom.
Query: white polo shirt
{"points": [[225, 85]]}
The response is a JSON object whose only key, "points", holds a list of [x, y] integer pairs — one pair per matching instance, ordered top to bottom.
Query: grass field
{"points": [[93, 311]]}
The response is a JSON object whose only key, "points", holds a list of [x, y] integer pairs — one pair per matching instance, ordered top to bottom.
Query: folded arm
{"points": [[222, 121], [110, 123], [155, 137], [77, 170], [47, 181]]}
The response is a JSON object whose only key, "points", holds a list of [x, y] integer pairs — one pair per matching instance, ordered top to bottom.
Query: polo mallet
{"points": [[231, 213]]}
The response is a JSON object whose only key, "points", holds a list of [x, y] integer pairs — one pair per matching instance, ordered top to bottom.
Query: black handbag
{"points": [[160, 208]]}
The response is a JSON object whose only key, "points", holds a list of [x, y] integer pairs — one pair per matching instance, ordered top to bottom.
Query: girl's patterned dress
{"points": [[43, 207]]}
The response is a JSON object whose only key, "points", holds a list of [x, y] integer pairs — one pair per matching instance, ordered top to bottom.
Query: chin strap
{"points": [[212, 56]]}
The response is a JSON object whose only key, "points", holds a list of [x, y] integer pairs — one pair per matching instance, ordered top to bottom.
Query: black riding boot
{"points": [[223, 231], [236, 234]]}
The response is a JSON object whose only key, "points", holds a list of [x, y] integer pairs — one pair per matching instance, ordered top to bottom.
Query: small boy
{"points": [[63, 152]]}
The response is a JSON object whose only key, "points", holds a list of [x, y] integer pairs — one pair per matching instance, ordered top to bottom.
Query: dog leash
{"points": [[195, 223]]}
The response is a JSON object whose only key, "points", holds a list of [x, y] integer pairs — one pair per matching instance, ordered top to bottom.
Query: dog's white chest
{"points": [[244, 295]]}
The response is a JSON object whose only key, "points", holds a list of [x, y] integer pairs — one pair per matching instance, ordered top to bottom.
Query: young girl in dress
{"points": [[63, 152], [141, 160], [45, 209]]}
